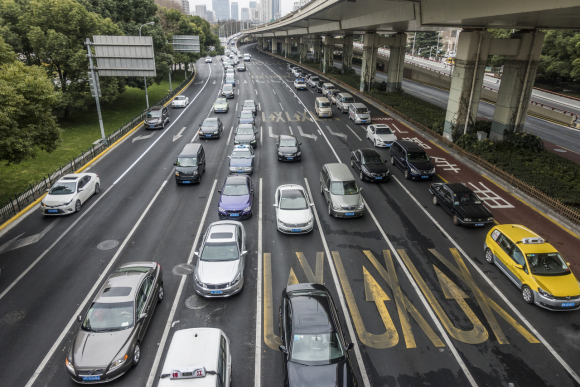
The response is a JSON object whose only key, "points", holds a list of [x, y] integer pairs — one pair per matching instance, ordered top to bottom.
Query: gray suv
{"points": [[157, 118], [341, 192]]}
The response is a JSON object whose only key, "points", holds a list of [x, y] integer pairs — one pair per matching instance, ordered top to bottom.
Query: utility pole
{"points": [[414, 39], [145, 78], [97, 87]]}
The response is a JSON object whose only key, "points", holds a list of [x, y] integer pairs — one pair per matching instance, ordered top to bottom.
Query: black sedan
{"points": [[211, 128], [288, 148], [370, 165], [465, 207], [314, 347]]}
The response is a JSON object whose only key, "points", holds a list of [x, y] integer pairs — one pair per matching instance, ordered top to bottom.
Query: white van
{"points": [[322, 107]]}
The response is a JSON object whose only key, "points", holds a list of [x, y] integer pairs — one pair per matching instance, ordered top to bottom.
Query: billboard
{"points": [[186, 43], [124, 56]]}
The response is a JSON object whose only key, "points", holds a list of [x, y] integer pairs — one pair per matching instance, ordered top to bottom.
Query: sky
{"points": [[286, 4]]}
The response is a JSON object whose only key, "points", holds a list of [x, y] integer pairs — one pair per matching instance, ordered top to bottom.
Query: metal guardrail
{"points": [[34, 191]]}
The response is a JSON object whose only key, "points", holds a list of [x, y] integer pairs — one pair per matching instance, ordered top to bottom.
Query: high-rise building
{"points": [[253, 4], [185, 5], [296, 6], [221, 9], [276, 9], [200, 10], [265, 10], [234, 13], [245, 14], [255, 15], [210, 16]]}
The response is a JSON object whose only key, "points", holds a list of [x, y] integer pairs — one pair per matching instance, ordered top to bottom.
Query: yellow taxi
{"points": [[534, 266]]}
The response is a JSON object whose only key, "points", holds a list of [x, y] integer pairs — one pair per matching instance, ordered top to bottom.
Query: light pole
{"points": [[144, 78]]}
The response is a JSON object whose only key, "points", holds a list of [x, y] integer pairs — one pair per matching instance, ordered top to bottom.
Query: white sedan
{"points": [[208, 60], [299, 84], [180, 101], [381, 135], [69, 193], [293, 212]]}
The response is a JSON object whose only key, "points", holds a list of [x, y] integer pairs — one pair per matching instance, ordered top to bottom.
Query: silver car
{"points": [[341, 192], [221, 259]]}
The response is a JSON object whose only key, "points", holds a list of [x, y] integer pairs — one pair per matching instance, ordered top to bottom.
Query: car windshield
{"points": [[314, 79], [299, 81], [328, 87], [180, 98], [348, 100], [221, 101], [249, 104], [324, 104], [361, 110], [154, 114], [247, 115], [210, 123], [383, 130], [245, 131], [288, 142], [241, 154], [417, 157], [372, 160], [187, 162], [63, 188], [344, 188], [235, 190], [466, 199], [293, 200], [224, 251], [547, 264], [105, 316], [317, 348]]}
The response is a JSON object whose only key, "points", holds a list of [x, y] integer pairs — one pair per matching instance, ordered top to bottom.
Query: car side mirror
{"points": [[200, 125], [299, 143], [229, 157], [175, 164], [325, 189], [360, 189], [47, 190], [80, 190], [219, 190], [311, 204], [275, 205], [244, 252], [196, 253], [519, 267], [142, 317], [80, 318], [349, 346], [283, 349]]}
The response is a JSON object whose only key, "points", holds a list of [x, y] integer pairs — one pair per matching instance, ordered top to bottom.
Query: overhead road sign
{"points": [[186, 43], [124, 56]]}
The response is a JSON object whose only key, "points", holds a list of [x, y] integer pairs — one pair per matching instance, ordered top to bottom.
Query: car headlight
{"points": [[200, 132], [216, 132], [378, 140], [253, 141], [236, 142], [298, 153], [280, 154], [248, 168], [415, 171], [432, 171], [176, 173], [194, 173], [67, 203], [42, 204], [335, 206], [361, 206], [249, 208], [221, 209], [490, 218], [467, 219], [282, 223], [236, 280], [197, 281], [545, 293], [118, 363], [69, 366]]}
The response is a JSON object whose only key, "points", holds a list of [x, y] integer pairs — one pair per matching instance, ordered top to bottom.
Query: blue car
{"points": [[246, 117], [242, 160], [236, 197]]}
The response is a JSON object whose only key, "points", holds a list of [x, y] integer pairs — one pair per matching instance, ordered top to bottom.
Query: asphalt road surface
{"points": [[406, 289]]}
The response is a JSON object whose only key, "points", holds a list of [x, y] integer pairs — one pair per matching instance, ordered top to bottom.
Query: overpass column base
{"points": [[275, 45], [286, 47], [347, 49], [317, 50], [328, 53], [369, 62], [397, 63], [517, 82]]}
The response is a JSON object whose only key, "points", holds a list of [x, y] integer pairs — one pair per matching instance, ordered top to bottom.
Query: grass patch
{"points": [[80, 130]]}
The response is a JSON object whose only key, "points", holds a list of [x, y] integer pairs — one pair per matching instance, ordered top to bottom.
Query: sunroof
{"points": [[70, 178], [222, 235], [119, 291]]}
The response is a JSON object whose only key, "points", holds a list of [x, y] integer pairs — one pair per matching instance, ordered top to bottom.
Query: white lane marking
{"points": [[256, 90], [238, 91], [274, 91], [281, 105], [237, 106], [259, 106], [291, 130], [261, 132], [270, 132], [353, 132], [337, 134], [178, 135], [229, 135], [313, 136], [144, 137], [16, 243], [492, 285], [338, 287], [73, 319], [163, 340], [258, 353]]}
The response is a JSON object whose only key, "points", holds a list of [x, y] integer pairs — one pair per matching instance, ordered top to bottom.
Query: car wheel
{"points": [[163, 125], [375, 143], [392, 160], [351, 163], [360, 174], [407, 175], [199, 179], [97, 188], [435, 200], [78, 206], [329, 209], [455, 220], [488, 256], [160, 293], [527, 294], [136, 355]]}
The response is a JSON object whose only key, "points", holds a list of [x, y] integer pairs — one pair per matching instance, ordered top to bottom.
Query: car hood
{"points": [[220, 106], [362, 115], [152, 120], [247, 120], [209, 129], [244, 137], [386, 137], [288, 149], [240, 163], [424, 166], [376, 168], [185, 169], [53, 200], [347, 200], [234, 202], [474, 211], [295, 216], [217, 272], [559, 285], [98, 350], [332, 375]]}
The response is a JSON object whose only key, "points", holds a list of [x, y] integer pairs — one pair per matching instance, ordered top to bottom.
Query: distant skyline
{"points": [[286, 5]]}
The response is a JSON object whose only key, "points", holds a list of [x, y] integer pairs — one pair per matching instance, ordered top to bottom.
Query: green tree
{"points": [[424, 41], [560, 59], [498, 60], [27, 98]]}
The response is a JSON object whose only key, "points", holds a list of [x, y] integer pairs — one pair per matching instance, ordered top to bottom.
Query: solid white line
{"points": [[256, 90], [274, 91], [237, 104], [281, 105], [259, 106], [291, 130], [353, 132], [230, 135], [261, 135], [492, 285], [73, 319], [163, 340], [258, 353], [363, 370]]}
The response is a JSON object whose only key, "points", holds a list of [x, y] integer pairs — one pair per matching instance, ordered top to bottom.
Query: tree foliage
{"points": [[424, 41], [560, 59]]}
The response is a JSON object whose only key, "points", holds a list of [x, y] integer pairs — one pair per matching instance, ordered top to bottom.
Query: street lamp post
{"points": [[145, 78]]}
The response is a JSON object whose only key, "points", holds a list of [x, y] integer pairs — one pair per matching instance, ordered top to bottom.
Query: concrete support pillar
{"points": [[260, 43], [275, 45], [286, 47], [316, 47], [302, 49], [347, 49], [328, 53], [369, 62], [397, 63], [466, 81], [517, 82]]}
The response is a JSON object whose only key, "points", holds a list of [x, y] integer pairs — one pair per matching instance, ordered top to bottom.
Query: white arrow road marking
{"points": [[213, 83], [353, 132], [335, 133], [271, 134], [178, 135], [306, 135], [143, 137], [18, 243]]}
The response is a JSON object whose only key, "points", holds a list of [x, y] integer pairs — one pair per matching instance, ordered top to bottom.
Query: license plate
{"points": [[326, 115], [151, 126], [208, 135], [290, 158], [240, 171], [424, 177], [378, 178], [186, 182], [52, 211], [234, 214], [349, 214], [479, 224], [296, 229], [217, 292], [567, 304], [92, 377]]}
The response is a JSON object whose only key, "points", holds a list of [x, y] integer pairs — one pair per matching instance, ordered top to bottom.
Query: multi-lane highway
{"points": [[413, 291]]}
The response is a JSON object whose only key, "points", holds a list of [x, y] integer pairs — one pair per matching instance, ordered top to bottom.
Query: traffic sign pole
{"points": [[97, 88]]}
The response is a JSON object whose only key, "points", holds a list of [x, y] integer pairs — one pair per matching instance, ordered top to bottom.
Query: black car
{"points": [[318, 85], [228, 91], [250, 104], [157, 118], [211, 128], [246, 134], [288, 148], [412, 160], [370, 165], [465, 207], [314, 347]]}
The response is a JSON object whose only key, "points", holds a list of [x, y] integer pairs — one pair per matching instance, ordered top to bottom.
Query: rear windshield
{"points": [[344, 188]]}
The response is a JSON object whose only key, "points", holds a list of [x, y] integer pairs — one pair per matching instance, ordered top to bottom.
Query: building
{"points": [[253, 4], [185, 5], [296, 6], [221, 9], [276, 9], [200, 10], [265, 10], [234, 13], [245, 14], [255, 15], [210, 16]]}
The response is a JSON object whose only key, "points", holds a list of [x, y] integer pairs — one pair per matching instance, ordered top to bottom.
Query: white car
{"points": [[246, 58], [208, 60], [299, 84], [180, 101], [381, 135], [69, 193], [293, 210], [201, 356]]}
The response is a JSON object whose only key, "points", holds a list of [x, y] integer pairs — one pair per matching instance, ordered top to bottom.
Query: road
{"points": [[415, 316]]}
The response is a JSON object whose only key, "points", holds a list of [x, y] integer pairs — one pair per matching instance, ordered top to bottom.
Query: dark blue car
{"points": [[246, 117], [242, 160], [236, 197]]}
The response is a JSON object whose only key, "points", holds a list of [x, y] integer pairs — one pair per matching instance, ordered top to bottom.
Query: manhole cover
{"points": [[560, 150], [108, 245], [183, 269], [195, 302], [12, 317]]}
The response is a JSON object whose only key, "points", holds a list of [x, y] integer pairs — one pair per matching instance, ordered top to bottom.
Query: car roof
{"points": [[327, 84], [346, 94], [249, 101], [358, 105], [156, 108], [210, 119], [246, 126], [381, 126], [286, 137], [410, 146], [242, 147], [369, 152], [339, 172], [71, 177], [290, 187], [458, 188], [223, 226], [517, 232], [124, 279], [311, 312], [192, 348]]}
